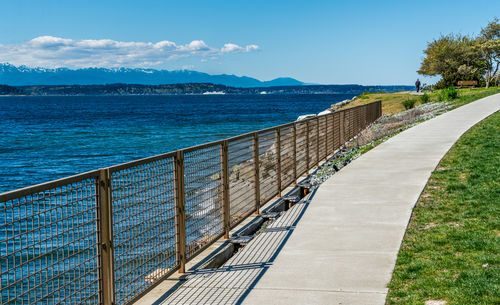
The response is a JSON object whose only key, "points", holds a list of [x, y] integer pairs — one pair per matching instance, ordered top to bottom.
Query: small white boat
{"points": [[213, 92]]}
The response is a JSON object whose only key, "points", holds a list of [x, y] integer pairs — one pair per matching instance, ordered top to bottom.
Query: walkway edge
{"points": [[349, 237]]}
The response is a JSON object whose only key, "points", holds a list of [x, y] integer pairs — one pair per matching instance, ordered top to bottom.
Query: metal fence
{"points": [[109, 235]]}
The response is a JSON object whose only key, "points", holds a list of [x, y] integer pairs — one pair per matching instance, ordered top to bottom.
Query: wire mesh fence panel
{"points": [[376, 110], [371, 112], [368, 114], [363, 117], [354, 119], [361, 121], [353, 122], [358, 122], [349, 124], [345, 125], [330, 131], [336, 131], [322, 136], [313, 141], [301, 143], [286, 156], [267, 165], [241, 178], [203, 197], [143, 210], [51, 235], [49, 243]]}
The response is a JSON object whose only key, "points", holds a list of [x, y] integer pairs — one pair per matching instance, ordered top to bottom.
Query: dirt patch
{"points": [[429, 225], [435, 302]]}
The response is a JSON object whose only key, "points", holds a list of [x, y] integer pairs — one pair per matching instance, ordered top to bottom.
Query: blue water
{"points": [[49, 137], [52, 240]]}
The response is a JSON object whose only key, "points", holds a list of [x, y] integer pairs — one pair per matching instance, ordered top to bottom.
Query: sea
{"points": [[44, 138], [49, 247]]}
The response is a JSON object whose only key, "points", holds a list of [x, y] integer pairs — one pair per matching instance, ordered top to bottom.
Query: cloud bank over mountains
{"points": [[53, 52]]}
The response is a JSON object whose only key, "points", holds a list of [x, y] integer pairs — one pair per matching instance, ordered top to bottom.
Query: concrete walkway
{"points": [[341, 245], [344, 248]]}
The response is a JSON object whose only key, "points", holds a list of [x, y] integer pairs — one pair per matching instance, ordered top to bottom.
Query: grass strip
{"points": [[393, 102], [451, 250]]}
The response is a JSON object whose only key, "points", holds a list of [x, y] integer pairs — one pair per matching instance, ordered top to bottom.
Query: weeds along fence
{"points": [[109, 235]]}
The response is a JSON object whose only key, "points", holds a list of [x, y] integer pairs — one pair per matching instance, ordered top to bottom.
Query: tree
{"points": [[489, 46], [454, 57], [457, 57]]}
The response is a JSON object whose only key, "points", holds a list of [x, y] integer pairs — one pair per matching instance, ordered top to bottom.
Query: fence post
{"points": [[342, 128], [317, 141], [307, 147], [295, 153], [278, 160], [256, 166], [225, 188], [180, 210], [106, 237]]}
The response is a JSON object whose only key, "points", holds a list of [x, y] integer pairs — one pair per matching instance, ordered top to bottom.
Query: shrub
{"points": [[452, 93], [448, 94], [364, 95], [442, 96], [425, 98], [409, 104]]}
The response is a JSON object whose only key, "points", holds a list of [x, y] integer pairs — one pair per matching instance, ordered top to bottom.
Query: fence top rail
{"points": [[122, 166], [114, 168], [42, 187]]}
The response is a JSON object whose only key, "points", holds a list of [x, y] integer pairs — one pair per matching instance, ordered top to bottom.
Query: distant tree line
{"points": [[459, 57], [187, 88]]}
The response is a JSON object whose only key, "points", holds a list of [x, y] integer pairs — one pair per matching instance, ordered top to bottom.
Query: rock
{"points": [[325, 112], [306, 116]]}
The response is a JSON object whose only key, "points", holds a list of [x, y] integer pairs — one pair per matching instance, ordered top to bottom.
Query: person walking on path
{"points": [[417, 85]]}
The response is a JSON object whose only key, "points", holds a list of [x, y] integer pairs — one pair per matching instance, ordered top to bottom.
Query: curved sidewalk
{"points": [[345, 246]]}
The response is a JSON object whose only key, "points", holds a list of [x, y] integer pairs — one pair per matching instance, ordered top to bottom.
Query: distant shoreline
{"points": [[186, 89]]}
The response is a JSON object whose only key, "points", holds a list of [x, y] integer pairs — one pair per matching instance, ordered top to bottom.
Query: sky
{"points": [[324, 42]]}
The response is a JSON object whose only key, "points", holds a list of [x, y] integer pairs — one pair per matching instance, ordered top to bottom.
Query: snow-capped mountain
{"points": [[22, 75]]}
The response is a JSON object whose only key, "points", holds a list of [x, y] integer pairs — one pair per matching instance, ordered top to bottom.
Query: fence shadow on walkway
{"points": [[232, 282]]}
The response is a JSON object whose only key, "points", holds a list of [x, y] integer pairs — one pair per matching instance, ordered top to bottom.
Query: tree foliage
{"points": [[488, 44], [458, 57]]}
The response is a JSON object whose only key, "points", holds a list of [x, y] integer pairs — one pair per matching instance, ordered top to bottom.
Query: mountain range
{"points": [[24, 76]]}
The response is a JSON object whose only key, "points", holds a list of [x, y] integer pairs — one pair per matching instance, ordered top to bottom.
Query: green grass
{"points": [[470, 95], [392, 102], [451, 250]]}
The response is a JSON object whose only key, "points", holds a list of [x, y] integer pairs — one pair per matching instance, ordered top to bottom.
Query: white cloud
{"points": [[234, 48], [49, 51]]}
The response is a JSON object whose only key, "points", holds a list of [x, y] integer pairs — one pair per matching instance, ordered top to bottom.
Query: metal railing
{"points": [[109, 235]]}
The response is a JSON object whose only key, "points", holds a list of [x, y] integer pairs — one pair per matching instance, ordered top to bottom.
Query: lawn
{"points": [[392, 102], [451, 250]]}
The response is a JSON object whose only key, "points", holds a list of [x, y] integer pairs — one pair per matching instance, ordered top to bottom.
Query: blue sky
{"points": [[327, 42]]}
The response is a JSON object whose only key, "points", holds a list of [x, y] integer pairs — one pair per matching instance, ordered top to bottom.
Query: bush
{"points": [[452, 93], [448, 94], [364, 95], [425, 98], [409, 104]]}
